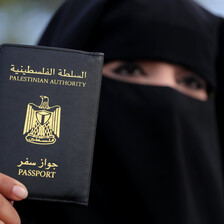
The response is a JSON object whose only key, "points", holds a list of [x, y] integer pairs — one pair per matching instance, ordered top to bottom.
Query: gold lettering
{"points": [[11, 77], [46, 81], [53, 81], [24, 173], [33, 173], [37, 173], [42, 173], [53, 173], [48, 174]]}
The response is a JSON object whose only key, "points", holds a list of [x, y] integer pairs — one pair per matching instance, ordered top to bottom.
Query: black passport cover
{"points": [[48, 112]]}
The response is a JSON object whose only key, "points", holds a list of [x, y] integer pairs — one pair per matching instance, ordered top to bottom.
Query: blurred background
{"points": [[23, 21]]}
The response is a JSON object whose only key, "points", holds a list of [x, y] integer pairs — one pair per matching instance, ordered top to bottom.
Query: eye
{"points": [[129, 69], [192, 81]]}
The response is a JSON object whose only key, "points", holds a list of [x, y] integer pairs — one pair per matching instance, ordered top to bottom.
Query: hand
{"points": [[10, 189]]}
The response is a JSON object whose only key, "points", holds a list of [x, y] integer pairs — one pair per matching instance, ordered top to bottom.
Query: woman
{"points": [[157, 155]]}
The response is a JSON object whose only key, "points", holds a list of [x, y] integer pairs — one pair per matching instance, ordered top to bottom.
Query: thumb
{"points": [[12, 189]]}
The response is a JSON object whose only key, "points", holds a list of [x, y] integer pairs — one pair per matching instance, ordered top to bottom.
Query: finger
{"points": [[12, 189], [12, 203], [8, 213], [1, 222]]}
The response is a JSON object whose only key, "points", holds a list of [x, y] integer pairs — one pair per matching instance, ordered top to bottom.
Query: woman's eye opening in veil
{"points": [[159, 74]]}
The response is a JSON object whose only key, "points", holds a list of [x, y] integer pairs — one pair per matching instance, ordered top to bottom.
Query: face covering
{"points": [[220, 83], [157, 158]]}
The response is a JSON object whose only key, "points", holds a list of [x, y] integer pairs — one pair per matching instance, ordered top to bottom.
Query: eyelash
{"points": [[129, 69], [192, 82]]}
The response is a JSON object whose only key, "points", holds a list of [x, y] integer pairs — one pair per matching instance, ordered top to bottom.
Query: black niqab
{"points": [[220, 89], [157, 155]]}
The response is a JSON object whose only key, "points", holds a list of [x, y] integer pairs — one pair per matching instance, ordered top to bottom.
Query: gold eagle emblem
{"points": [[42, 123]]}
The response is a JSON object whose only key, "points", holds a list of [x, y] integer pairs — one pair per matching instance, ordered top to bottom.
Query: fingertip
{"points": [[12, 189], [20, 192]]}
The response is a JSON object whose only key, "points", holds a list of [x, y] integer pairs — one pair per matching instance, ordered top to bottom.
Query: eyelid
{"points": [[129, 67], [194, 77]]}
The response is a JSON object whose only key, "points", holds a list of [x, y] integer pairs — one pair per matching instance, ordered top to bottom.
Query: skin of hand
{"points": [[10, 190]]}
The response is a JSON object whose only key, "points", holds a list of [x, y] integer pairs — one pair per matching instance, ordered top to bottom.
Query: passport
{"points": [[48, 115]]}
